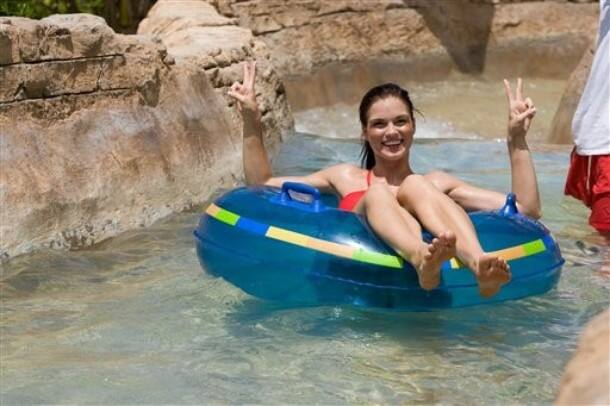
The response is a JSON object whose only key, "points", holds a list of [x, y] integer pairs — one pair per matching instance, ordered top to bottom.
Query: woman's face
{"points": [[389, 128]]}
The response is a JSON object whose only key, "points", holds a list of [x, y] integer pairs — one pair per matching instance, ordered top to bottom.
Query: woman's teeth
{"points": [[392, 143]]}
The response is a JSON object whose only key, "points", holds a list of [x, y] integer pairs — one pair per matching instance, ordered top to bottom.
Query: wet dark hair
{"points": [[367, 158]]}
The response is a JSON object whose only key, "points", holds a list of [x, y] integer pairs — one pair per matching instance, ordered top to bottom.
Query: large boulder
{"points": [[195, 33], [561, 126], [102, 133]]}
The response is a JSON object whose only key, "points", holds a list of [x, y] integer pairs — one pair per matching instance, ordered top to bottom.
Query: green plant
{"points": [[43, 8], [122, 15]]}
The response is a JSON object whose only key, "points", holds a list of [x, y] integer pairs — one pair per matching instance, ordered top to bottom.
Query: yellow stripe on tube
{"points": [[212, 210], [287, 236], [331, 248], [511, 253], [508, 254]]}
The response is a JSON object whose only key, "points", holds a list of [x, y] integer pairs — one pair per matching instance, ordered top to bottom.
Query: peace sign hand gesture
{"points": [[244, 92], [520, 111]]}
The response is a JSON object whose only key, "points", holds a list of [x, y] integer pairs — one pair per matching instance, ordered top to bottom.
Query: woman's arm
{"points": [[257, 168], [523, 175]]}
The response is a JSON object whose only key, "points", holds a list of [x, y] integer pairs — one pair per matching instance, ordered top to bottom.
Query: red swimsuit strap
{"points": [[350, 200]]}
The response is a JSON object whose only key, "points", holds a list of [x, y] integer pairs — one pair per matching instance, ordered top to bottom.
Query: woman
{"points": [[394, 199]]}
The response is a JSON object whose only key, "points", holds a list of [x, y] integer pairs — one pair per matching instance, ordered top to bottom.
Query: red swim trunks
{"points": [[589, 180]]}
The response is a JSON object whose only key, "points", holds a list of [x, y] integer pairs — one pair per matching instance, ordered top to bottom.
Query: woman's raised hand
{"points": [[244, 92], [520, 111]]}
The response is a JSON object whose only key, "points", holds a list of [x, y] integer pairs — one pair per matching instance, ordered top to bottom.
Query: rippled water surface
{"points": [[136, 321]]}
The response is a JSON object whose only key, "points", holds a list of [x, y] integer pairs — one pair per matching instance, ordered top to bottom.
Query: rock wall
{"points": [[194, 32], [345, 46], [561, 126], [101, 133], [586, 378]]}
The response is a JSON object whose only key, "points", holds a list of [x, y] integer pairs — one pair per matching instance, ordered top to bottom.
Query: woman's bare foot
{"points": [[433, 255], [491, 273]]}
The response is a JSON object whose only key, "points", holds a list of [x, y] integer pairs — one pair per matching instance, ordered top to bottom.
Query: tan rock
{"points": [[177, 15], [77, 35], [474, 36], [55, 37], [9, 40], [217, 42], [221, 50], [50, 79], [561, 126], [116, 134], [118, 163], [586, 378]]}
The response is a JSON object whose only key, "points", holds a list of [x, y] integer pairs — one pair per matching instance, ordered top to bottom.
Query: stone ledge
{"points": [[54, 38], [214, 46], [72, 55], [56, 78], [62, 106], [106, 135]]}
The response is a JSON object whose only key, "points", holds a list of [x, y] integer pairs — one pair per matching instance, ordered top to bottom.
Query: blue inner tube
{"points": [[294, 246]]}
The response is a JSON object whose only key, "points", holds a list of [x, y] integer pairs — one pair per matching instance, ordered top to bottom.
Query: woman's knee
{"points": [[415, 184], [415, 189], [378, 193]]}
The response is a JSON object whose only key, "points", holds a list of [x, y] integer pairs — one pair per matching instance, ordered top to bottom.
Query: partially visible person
{"points": [[589, 175]]}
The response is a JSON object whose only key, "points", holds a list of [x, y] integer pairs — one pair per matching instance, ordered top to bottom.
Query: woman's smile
{"points": [[393, 142]]}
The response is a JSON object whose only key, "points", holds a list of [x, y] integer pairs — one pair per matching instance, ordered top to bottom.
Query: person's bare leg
{"points": [[437, 212], [401, 231]]}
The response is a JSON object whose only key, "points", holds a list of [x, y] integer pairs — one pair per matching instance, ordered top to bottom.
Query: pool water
{"points": [[135, 320]]}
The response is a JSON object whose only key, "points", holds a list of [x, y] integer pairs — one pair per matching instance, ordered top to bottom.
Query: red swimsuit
{"points": [[350, 200]]}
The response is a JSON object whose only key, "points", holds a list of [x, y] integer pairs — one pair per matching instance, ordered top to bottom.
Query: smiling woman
{"points": [[397, 202]]}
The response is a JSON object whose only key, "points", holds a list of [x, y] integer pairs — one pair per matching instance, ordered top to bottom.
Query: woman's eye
{"points": [[400, 122], [379, 125]]}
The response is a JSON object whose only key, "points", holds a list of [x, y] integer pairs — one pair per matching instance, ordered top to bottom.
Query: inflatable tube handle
{"points": [[303, 189], [510, 207]]}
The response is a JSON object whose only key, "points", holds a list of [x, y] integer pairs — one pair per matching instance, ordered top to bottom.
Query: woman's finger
{"points": [[246, 72], [247, 75], [252, 77], [507, 91], [519, 93], [236, 95], [529, 103], [529, 113]]}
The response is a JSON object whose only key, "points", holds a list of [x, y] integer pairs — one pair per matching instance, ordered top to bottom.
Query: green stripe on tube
{"points": [[227, 217], [534, 247], [376, 258]]}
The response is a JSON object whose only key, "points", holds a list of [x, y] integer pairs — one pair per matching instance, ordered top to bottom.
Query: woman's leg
{"points": [[437, 212], [401, 231]]}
